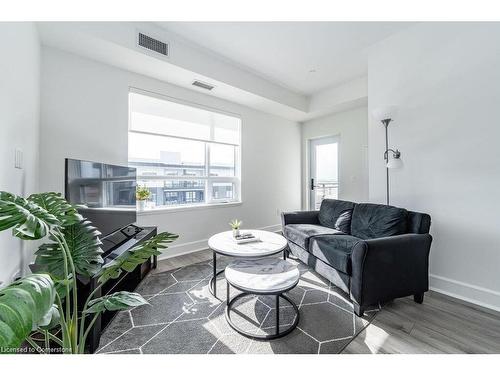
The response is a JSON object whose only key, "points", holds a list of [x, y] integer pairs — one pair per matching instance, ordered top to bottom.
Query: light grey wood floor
{"points": [[440, 325]]}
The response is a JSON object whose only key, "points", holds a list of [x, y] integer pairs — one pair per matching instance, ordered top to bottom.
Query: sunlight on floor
{"points": [[374, 338]]}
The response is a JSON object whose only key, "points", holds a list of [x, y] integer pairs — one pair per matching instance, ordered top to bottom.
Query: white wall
{"points": [[445, 79], [84, 115], [19, 120], [351, 126]]}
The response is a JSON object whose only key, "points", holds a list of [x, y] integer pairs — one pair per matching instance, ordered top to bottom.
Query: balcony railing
{"points": [[184, 184], [324, 190]]}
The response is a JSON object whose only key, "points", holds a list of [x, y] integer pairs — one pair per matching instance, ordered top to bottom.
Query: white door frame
{"points": [[312, 161]]}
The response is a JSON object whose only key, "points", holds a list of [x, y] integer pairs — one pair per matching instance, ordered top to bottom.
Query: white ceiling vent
{"points": [[152, 44], [203, 85]]}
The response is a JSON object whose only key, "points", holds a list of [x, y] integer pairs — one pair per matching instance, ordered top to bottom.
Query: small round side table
{"points": [[222, 243], [265, 276]]}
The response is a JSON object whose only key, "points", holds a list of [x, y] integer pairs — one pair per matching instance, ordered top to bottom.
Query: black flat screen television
{"points": [[107, 191]]}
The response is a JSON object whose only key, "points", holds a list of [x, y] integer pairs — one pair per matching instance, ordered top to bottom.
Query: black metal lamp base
{"points": [[278, 333]]}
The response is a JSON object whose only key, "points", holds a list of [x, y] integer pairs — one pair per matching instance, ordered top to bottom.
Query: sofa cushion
{"points": [[336, 214], [378, 220], [418, 222], [300, 234], [334, 250]]}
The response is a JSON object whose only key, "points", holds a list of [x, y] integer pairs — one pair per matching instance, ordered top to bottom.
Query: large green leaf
{"points": [[55, 204], [28, 220], [85, 248], [130, 259], [116, 301], [24, 306], [51, 319]]}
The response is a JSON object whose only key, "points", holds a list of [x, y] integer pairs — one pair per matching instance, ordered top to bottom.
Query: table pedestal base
{"points": [[212, 285], [278, 333]]}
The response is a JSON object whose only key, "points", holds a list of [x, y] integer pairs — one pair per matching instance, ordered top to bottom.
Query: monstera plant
{"points": [[45, 304]]}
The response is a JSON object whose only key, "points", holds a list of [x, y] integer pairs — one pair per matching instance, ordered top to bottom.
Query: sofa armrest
{"points": [[299, 217], [390, 267]]}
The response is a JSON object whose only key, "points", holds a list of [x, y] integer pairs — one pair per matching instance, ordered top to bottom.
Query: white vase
{"points": [[141, 205], [236, 232]]}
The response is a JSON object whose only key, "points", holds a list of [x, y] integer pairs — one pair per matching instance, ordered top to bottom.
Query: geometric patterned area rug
{"points": [[183, 317]]}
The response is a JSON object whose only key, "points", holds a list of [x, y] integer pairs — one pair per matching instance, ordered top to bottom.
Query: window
{"points": [[184, 155]]}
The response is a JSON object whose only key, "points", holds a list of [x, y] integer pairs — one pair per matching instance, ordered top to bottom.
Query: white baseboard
{"points": [[194, 246], [468, 292]]}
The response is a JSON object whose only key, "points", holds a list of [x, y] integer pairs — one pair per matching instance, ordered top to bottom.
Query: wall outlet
{"points": [[18, 158]]}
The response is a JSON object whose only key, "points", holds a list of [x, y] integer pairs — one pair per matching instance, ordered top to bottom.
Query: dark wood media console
{"points": [[113, 246]]}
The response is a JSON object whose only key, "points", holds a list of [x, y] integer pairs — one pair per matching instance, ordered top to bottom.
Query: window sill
{"points": [[163, 210]]}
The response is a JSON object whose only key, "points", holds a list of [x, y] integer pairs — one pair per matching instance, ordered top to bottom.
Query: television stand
{"points": [[113, 246]]}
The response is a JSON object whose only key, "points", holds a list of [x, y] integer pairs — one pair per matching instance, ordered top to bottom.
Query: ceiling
{"points": [[305, 57], [295, 70]]}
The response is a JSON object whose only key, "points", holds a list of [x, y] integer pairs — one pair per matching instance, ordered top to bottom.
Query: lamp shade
{"points": [[385, 112], [395, 163]]}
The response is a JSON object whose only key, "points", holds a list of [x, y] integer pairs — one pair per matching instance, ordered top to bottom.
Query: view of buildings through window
{"points": [[184, 154]]}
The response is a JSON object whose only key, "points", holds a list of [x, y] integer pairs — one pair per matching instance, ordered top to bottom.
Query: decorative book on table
{"points": [[245, 238]]}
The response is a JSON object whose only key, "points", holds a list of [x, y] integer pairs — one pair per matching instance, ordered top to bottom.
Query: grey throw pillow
{"points": [[343, 222]]}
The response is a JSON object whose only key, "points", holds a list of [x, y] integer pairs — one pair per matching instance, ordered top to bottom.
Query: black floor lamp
{"points": [[386, 115]]}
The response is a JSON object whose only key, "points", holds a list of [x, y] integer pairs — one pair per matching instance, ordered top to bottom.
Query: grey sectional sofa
{"points": [[373, 252]]}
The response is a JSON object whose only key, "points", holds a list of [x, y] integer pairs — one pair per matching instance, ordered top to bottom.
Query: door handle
{"points": [[312, 183]]}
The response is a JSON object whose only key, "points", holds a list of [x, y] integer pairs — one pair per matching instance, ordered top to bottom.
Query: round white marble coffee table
{"points": [[222, 243], [265, 276]]}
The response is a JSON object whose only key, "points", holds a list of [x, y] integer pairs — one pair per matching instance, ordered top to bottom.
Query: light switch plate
{"points": [[18, 158]]}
